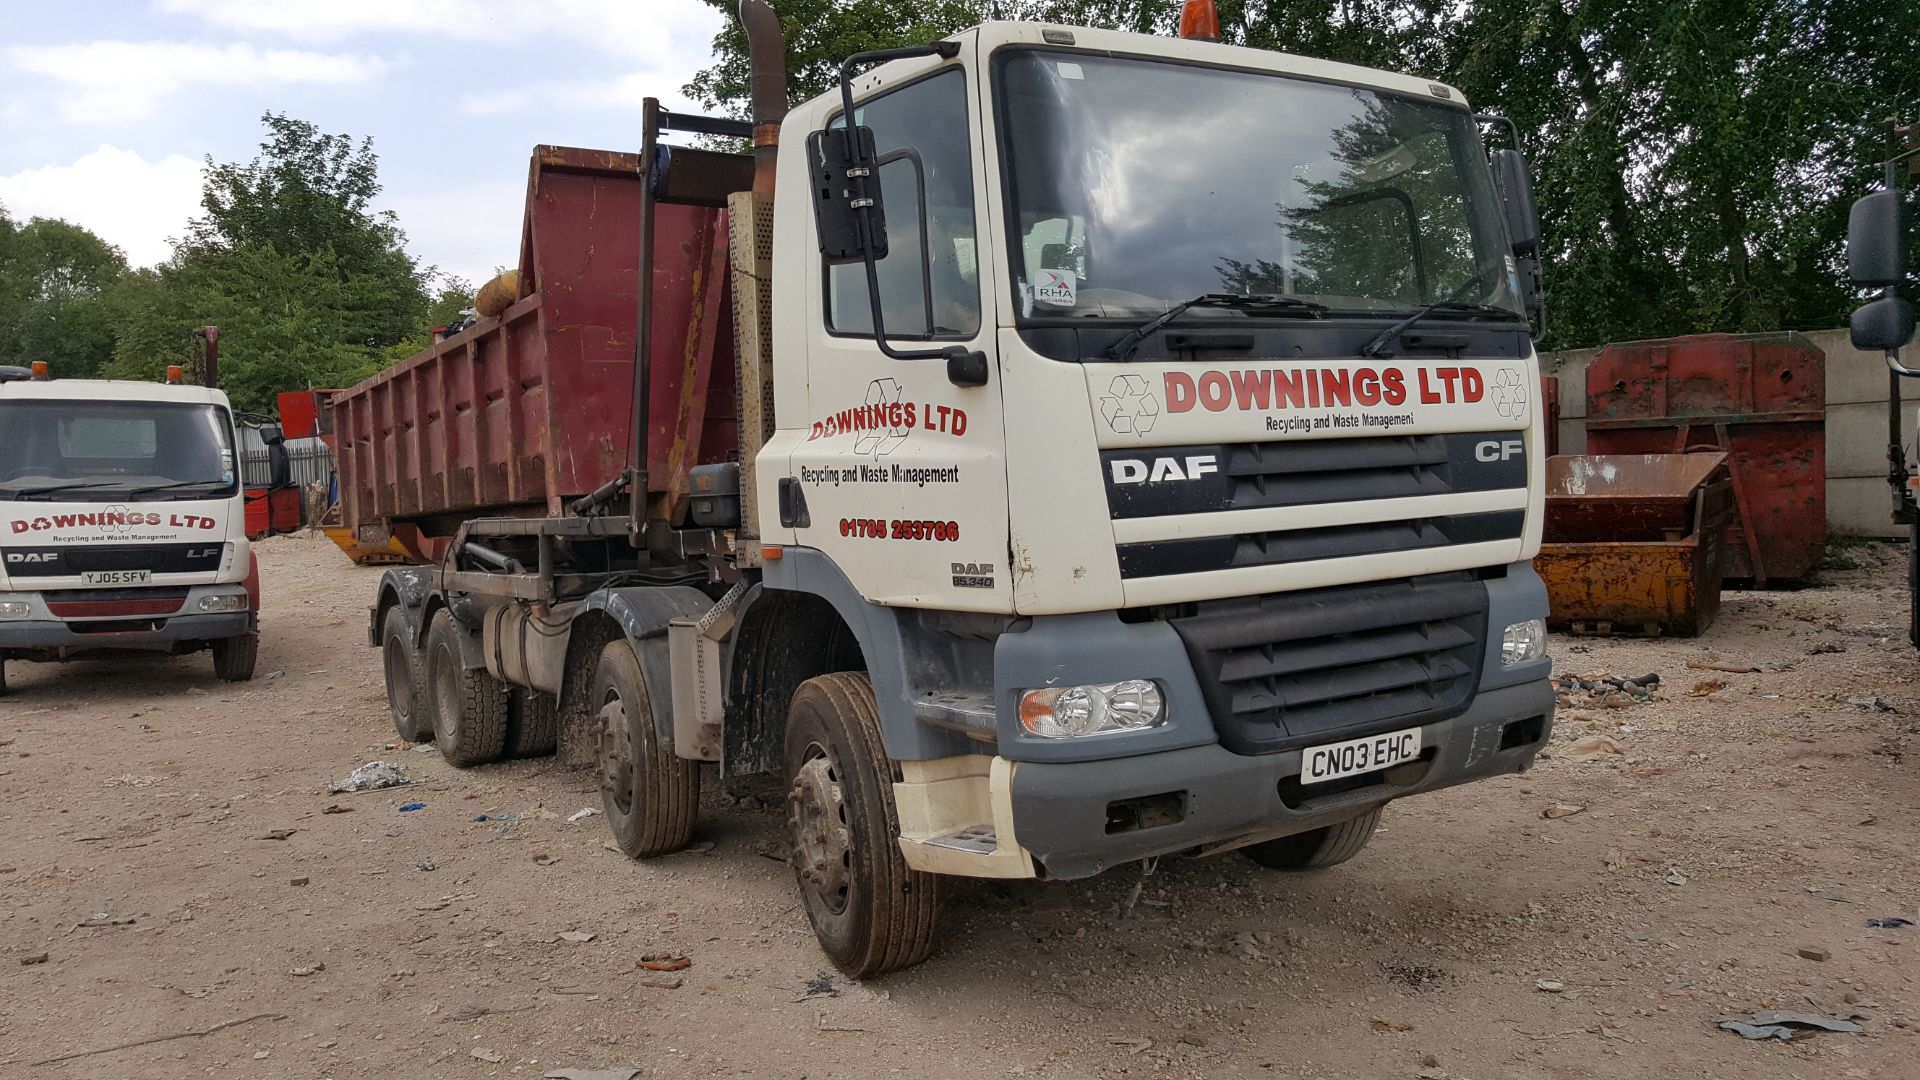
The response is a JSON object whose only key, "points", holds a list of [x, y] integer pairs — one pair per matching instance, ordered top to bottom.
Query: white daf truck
{"points": [[1139, 456], [121, 523]]}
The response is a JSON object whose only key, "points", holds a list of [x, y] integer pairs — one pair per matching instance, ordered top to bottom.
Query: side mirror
{"points": [[1516, 199], [847, 205], [1877, 244], [1885, 325], [270, 434]]}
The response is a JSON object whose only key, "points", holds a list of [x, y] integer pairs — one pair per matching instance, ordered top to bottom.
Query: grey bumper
{"points": [[54, 636], [1061, 810]]}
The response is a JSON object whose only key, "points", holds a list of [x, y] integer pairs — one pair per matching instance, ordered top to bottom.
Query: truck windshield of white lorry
{"points": [[1138, 184], [60, 449]]}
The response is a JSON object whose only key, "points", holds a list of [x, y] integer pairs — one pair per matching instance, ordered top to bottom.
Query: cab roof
{"points": [[108, 390]]}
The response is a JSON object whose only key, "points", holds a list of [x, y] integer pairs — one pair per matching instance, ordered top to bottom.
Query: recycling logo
{"points": [[1509, 394], [883, 402], [1128, 406], [118, 519]]}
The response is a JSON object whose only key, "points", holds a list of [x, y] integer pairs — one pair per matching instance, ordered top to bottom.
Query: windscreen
{"points": [[1138, 184], [122, 449]]}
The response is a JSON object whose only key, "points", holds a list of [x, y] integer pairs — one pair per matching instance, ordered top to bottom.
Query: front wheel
{"points": [[234, 657], [651, 797], [1319, 848], [871, 913]]}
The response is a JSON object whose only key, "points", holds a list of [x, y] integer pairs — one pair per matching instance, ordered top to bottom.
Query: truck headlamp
{"points": [[224, 602], [15, 609], [1523, 642], [1095, 709]]}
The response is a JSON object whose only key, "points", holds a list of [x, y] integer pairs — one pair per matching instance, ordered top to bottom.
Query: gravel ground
{"points": [[1739, 827]]}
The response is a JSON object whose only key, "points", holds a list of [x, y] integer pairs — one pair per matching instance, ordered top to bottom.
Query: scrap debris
{"points": [[1604, 690], [373, 776], [1785, 1026]]}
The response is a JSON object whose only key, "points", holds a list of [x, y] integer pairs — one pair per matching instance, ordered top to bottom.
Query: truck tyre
{"points": [[1913, 586], [233, 657], [3, 678], [406, 679], [468, 706], [533, 723], [651, 797], [1319, 848], [871, 913]]}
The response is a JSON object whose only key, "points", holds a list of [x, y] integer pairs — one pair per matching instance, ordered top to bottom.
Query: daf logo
{"points": [[1499, 449], [1130, 471], [33, 556]]}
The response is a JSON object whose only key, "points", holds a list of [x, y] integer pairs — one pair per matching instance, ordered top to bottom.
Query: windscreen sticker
{"points": [[1070, 70], [1513, 275], [1057, 288]]}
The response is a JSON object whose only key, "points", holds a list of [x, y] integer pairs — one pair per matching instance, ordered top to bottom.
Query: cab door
{"points": [[903, 471]]}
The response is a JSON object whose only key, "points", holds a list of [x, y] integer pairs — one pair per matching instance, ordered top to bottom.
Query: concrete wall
{"points": [[1858, 500]]}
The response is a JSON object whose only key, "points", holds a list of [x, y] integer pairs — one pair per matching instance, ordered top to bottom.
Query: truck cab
{"points": [[122, 523]]}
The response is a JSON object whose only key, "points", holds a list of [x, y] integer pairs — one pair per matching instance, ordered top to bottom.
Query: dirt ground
{"points": [[1476, 938]]}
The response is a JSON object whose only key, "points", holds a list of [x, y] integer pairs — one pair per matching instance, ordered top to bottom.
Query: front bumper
{"points": [[43, 635], [1062, 812]]}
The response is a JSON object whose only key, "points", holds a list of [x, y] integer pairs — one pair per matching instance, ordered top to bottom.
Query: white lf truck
{"points": [[1138, 455], [122, 523]]}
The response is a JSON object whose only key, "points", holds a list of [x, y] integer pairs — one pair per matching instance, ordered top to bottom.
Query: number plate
{"points": [[116, 577], [1356, 756]]}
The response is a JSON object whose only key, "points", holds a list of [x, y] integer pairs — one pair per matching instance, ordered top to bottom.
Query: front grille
{"points": [[1157, 481], [1154, 558], [69, 560], [114, 603], [1290, 669]]}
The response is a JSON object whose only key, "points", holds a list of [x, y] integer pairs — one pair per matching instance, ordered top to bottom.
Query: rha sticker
{"points": [[1057, 288]]}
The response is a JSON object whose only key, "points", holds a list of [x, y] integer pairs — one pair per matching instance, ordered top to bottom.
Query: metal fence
{"points": [[311, 460]]}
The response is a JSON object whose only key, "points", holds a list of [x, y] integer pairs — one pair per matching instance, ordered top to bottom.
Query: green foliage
{"points": [[1693, 162], [309, 285], [58, 295]]}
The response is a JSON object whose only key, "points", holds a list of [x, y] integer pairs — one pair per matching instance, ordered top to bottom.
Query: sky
{"points": [[108, 108]]}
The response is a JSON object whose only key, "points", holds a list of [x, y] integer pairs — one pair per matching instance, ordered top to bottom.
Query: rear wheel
{"points": [[1913, 583], [233, 658], [406, 679], [467, 705], [533, 723], [651, 797], [1319, 848], [871, 913]]}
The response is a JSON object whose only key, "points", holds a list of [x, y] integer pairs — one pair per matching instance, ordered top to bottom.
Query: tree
{"points": [[310, 286], [58, 295]]}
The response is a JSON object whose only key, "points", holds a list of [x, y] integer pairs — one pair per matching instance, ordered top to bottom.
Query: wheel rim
{"points": [[446, 682], [399, 695], [616, 755], [822, 840]]}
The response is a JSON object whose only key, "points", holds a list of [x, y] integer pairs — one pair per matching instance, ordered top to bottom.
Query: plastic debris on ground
{"points": [[373, 776], [412, 806], [581, 814], [1889, 924], [1785, 1026], [591, 1074]]}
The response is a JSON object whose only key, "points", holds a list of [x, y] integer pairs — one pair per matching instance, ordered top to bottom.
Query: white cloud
{"points": [[653, 29], [123, 81], [625, 92], [125, 199], [470, 231]]}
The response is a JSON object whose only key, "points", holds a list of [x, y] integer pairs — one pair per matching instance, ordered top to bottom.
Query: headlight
{"points": [[224, 602], [15, 609], [1524, 641], [1095, 709]]}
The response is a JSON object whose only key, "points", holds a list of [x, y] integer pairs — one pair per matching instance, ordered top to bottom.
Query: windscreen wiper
{"points": [[1262, 302], [1377, 347], [175, 485], [48, 489]]}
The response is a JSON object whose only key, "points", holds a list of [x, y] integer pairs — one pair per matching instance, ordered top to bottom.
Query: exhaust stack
{"points": [[767, 52]]}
